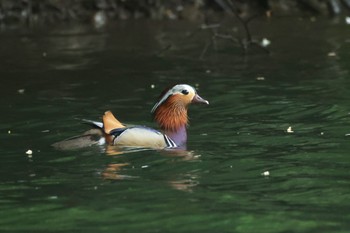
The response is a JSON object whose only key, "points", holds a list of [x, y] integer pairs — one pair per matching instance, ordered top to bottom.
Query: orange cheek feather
{"points": [[172, 114]]}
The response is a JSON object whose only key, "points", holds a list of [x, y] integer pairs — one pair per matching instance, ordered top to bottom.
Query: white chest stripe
{"points": [[169, 142]]}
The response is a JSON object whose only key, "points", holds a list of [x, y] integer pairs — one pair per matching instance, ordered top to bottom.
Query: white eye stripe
{"points": [[177, 89]]}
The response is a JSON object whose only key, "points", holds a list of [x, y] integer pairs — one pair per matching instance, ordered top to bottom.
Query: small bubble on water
{"points": [[347, 20], [265, 42], [290, 130], [265, 173], [53, 197]]}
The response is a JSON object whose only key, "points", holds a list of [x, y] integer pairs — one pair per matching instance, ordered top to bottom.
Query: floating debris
{"points": [[100, 19], [347, 20], [265, 42], [332, 54], [208, 71], [260, 78], [153, 86], [20, 91], [290, 130], [45, 131], [9, 132], [322, 133], [348, 134], [29, 152], [144, 166], [265, 173]]}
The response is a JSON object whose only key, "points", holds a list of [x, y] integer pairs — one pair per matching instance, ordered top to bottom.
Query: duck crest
{"points": [[171, 115]]}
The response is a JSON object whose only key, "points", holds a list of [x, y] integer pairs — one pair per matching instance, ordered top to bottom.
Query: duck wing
{"points": [[141, 136]]}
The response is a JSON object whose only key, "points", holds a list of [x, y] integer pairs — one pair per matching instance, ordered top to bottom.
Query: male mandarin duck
{"points": [[170, 112]]}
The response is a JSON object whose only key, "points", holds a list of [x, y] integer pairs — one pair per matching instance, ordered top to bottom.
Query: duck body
{"points": [[170, 112], [135, 136], [141, 136]]}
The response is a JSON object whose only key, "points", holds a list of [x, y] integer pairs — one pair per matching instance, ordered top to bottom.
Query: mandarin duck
{"points": [[170, 112]]}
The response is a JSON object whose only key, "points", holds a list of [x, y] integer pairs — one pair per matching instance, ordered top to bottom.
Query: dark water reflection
{"points": [[75, 72]]}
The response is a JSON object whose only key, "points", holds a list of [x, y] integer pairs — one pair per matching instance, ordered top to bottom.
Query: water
{"points": [[72, 72]]}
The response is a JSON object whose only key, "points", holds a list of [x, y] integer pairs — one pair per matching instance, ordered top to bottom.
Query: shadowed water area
{"points": [[54, 77]]}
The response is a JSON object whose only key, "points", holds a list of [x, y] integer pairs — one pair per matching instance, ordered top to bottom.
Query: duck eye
{"points": [[185, 92]]}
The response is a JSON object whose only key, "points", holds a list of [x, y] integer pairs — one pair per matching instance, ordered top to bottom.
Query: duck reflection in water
{"points": [[183, 181]]}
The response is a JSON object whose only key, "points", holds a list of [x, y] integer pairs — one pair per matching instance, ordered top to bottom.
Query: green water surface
{"points": [[52, 77]]}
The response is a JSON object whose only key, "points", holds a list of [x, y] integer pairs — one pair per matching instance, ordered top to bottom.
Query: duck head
{"points": [[170, 112]]}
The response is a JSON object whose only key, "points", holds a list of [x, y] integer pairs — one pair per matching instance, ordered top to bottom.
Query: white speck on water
{"points": [[100, 19], [347, 20], [265, 42], [44, 54], [332, 54], [208, 71], [260, 78], [153, 86], [21, 91], [290, 130], [45, 131], [9, 132], [322, 133], [204, 134], [348, 134], [29, 152], [144, 166], [265, 173], [95, 188], [53, 197]]}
